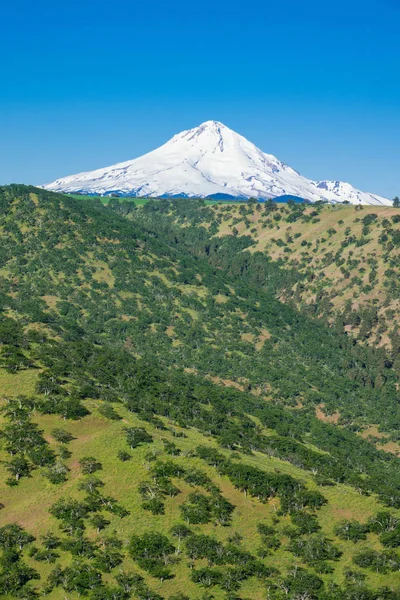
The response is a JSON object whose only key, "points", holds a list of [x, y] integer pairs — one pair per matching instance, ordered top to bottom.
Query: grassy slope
{"points": [[265, 232], [28, 503]]}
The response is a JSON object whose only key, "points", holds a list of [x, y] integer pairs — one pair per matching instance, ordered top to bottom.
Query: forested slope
{"points": [[345, 258], [165, 421]]}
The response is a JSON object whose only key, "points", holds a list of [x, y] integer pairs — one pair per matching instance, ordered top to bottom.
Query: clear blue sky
{"points": [[87, 84]]}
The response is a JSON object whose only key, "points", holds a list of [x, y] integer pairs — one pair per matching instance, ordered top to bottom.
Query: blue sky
{"points": [[87, 84]]}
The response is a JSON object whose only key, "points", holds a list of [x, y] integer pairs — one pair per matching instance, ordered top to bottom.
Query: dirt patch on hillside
{"points": [[322, 416]]}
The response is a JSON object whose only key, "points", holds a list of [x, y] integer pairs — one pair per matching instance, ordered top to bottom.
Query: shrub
{"points": [[62, 436], [124, 456]]}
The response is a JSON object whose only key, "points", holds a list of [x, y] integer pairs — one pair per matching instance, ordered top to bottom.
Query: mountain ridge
{"points": [[207, 160]]}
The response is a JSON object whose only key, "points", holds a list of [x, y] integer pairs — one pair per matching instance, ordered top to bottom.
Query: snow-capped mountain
{"points": [[206, 161]]}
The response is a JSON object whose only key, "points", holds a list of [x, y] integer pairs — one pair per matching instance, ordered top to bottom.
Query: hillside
{"points": [[338, 262], [171, 429]]}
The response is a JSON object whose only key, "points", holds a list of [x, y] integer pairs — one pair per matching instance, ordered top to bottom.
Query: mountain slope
{"points": [[208, 160], [338, 262], [128, 281], [190, 459]]}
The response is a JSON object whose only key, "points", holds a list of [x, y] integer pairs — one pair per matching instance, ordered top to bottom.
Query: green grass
{"points": [[17, 384], [28, 504]]}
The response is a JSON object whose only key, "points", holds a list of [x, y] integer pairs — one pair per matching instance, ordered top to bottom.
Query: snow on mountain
{"points": [[208, 160]]}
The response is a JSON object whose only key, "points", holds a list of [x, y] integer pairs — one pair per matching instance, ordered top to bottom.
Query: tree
{"points": [[396, 202], [270, 206], [10, 331], [13, 360], [73, 409], [108, 411], [136, 436], [171, 448], [63, 452], [89, 465], [18, 467], [57, 473], [90, 484], [154, 505], [197, 509], [222, 509], [71, 513], [383, 521], [99, 522], [307, 523], [351, 530], [180, 531], [13, 536], [391, 539], [50, 541], [78, 545], [203, 546], [314, 549], [152, 551], [46, 555], [107, 559], [380, 562], [14, 576], [206, 576], [80, 577], [130, 582], [301, 583], [134, 584], [107, 592]]}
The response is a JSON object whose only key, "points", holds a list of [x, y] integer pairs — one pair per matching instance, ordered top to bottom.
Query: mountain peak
{"points": [[212, 125], [213, 131], [207, 160]]}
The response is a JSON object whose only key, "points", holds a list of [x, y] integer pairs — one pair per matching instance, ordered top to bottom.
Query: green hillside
{"points": [[346, 258], [170, 428]]}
